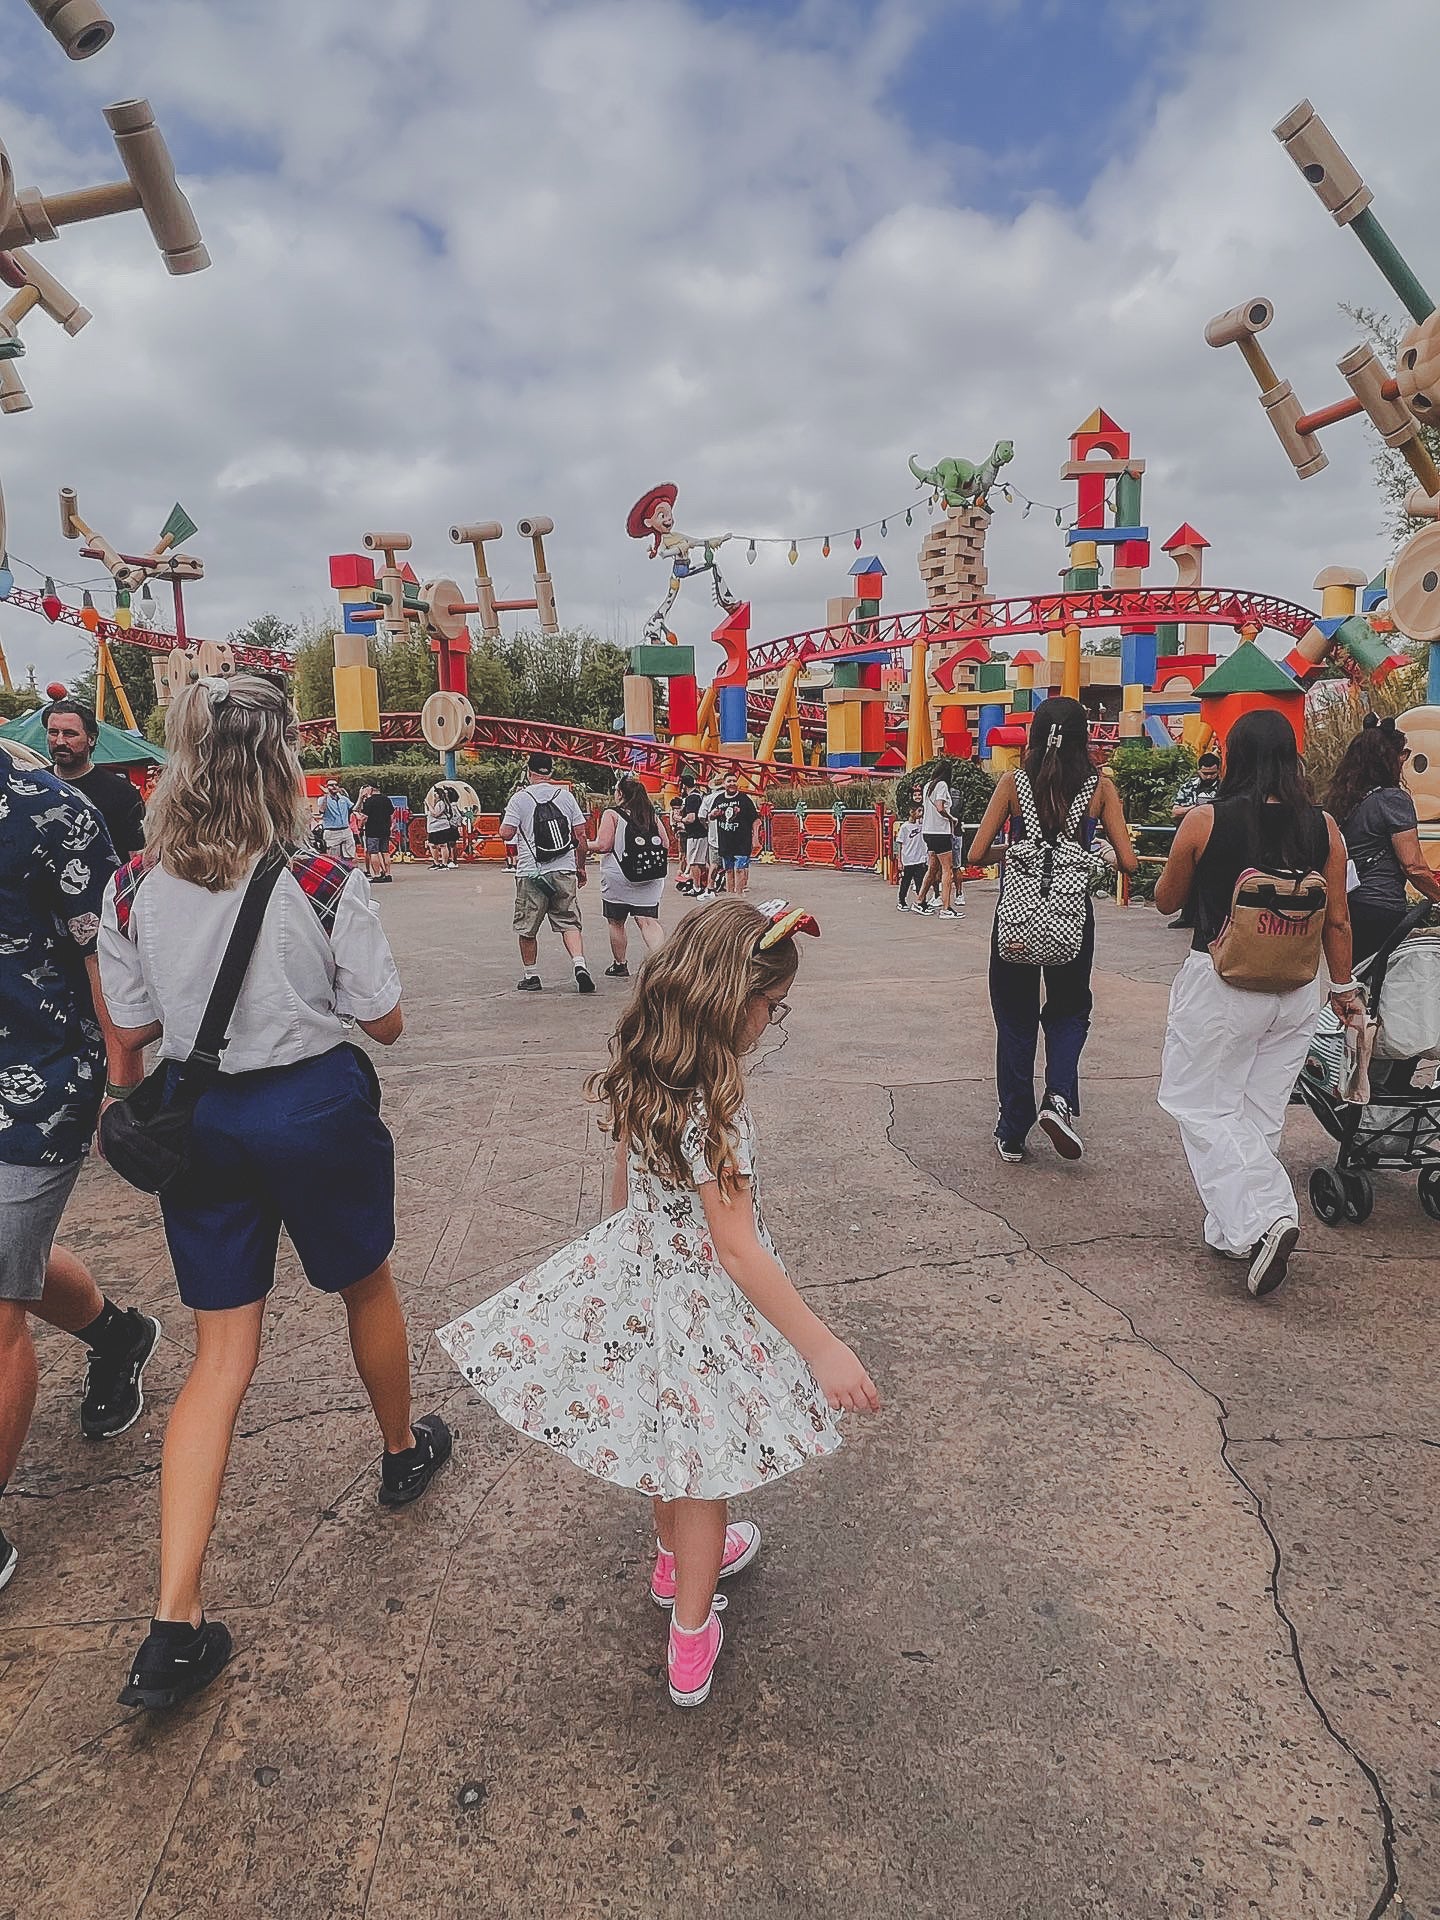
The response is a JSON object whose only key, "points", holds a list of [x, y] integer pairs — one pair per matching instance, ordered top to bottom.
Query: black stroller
{"points": [[1397, 1130]]}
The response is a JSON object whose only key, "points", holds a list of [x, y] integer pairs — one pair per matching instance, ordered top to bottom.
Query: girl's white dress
{"points": [[633, 1351]]}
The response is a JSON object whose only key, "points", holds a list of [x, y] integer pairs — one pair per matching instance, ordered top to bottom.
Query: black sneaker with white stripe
{"points": [[1057, 1122], [1270, 1259], [114, 1397], [405, 1476], [9, 1559], [175, 1661]]}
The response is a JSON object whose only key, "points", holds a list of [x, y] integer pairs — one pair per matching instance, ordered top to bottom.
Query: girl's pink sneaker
{"points": [[742, 1543], [692, 1661]]}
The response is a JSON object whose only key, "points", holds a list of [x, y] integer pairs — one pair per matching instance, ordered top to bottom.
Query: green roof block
{"points": [[663, 663], [1248, 670]]}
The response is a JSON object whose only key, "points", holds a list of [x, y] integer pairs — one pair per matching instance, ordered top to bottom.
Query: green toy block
{"points": [[1082, 580], [1167, 640], [663, 663], [847, 674], [990, 678], [357, 750]]}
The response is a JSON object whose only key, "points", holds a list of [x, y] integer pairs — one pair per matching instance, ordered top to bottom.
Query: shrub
{"points": [[1148, 778], [824, 793]]}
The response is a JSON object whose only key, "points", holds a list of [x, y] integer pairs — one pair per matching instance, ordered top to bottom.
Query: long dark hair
{"points": [[1372, 759], [1057, 760], [1262, 764], [939, 776], [636, 807]]}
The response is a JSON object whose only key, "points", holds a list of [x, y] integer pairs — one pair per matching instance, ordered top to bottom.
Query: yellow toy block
{"points": [[1084, 553], [1054, 645], [1132, 699], [357, 700], [842, 727], [1197, 733], [1004, 759]]}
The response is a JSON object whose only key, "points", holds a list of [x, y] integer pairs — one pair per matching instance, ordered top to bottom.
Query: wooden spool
{"points": [[1412, 582], [447, 721]]}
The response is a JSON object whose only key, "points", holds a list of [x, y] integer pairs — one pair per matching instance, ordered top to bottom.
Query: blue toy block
{"points": [[1105, 536], [867, 563], [348, 624], [1332, 624], [879, 659], [1138, 659], [1432, 678], [1172, 707], [732, 715], [989, 718], [1157, 732], [845, 760]]}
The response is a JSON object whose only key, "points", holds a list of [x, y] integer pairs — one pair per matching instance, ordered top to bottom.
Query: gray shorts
{"points": [[697, 852], [556, 900], [32, 1200]]}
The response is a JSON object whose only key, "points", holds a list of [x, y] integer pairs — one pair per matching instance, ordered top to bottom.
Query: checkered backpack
{"points": [[1040, 921]]}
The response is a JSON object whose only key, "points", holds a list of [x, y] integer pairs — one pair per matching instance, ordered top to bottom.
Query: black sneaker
{"points": [[619, 971], [583, 982], [530, 984], [1058, 1123], [1011, 1151], [1270, 1260], [113, 1399], [405, 1476], [9, 1560], [174, 1661]]}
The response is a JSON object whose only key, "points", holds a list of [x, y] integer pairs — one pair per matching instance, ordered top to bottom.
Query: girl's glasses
{"points": [[779, 1011]]}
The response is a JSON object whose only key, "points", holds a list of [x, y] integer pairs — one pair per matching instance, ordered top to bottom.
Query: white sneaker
{"points": [[947, 913], [1270, 1260]]}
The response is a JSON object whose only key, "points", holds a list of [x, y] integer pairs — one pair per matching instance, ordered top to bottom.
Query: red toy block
{"points": [[1099, 434], [1090, 510], [1133, 553], [352, 570], [408, 574], [870, 586], [733, 636], [1183, 666], [870, 673], [684, 698]]}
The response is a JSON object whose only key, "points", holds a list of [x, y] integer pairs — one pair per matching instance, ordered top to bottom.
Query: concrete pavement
{"points": [[1124, 1606]]}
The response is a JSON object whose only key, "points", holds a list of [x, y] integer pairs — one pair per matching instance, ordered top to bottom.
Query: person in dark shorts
{"points": [[71, 731], [736, 813], [377, 814], [1377, 818], [693, 836], [55, 864], [622, 898], [289, 1134]]}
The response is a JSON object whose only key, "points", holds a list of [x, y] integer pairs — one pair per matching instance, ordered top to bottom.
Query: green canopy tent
{"points": [[114, 748]]}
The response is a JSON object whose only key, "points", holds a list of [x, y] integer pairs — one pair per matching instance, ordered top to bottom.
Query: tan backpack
{"points": [[1271, 941]]}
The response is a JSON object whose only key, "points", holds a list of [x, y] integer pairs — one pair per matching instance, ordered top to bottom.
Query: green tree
{"points": [[1392, 474], [268, 630], [1107, 648], [407, 674], [137, 677], [491, 683], [601, 685], [312, 688], [22, 700]]}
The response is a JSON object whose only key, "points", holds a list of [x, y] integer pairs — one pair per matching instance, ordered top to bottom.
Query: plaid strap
{"points": [[322, 881], [126, 884]]}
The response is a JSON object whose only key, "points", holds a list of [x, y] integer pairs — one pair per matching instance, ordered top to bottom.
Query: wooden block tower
{"points": [[855, 698]]}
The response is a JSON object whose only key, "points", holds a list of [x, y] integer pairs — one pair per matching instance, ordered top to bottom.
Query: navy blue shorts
{"points": [[298, 1147]]}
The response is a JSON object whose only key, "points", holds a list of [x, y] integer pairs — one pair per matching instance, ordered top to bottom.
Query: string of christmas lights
{"points": [[881, 525]]}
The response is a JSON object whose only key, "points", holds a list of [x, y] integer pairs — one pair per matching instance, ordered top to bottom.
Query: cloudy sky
{"points": [[472, 262]]}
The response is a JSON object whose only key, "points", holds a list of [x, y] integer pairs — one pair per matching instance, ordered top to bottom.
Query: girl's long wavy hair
{"points": [[1373, 759], [1057, 760], [1263, 767], [232, 786], [634, 804], [680, 1041]]}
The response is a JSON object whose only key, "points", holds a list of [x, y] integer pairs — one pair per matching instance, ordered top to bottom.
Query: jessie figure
{"points": [[654, 514]]}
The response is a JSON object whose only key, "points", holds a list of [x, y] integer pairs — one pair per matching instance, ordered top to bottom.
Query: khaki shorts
{"points": [[555, 900]]}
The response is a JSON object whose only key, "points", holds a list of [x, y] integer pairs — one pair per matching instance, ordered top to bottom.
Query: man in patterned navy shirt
{"points": [[55, 862]]}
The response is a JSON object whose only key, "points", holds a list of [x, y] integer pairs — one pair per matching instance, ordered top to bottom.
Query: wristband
{"points": [[1347, 986], [112, 1092]]}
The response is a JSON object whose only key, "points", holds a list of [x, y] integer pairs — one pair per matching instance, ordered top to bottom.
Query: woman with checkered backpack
{"points": [[1044, 934]]}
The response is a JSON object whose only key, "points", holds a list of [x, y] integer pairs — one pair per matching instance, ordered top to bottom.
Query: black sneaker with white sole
{"points": [[583, 982], [531, 983], [1058, 1124], [1011, 1151], [1270, 1260], [114, 1396], [405, 1476], [9, 1559], [175, 1661]]}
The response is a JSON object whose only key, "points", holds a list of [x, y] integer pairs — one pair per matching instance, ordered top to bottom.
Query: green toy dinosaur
{"points": [[962, 483]]}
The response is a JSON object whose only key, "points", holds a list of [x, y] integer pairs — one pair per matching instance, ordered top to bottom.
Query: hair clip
{"points": [[215, 686], [785, 922]]}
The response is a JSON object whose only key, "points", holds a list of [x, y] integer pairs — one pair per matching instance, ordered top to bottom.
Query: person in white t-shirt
{"points": [[937, 829], [911, 854], [547, 874], [286, 1131]]}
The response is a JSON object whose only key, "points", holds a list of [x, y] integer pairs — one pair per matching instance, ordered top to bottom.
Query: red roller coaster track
{"points": [[265, 659]]}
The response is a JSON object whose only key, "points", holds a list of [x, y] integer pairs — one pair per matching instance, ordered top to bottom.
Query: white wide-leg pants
{"points": [[1230, 1063]]}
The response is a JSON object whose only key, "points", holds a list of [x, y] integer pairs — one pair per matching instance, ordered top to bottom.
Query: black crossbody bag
{"points": [[146, 1136]]}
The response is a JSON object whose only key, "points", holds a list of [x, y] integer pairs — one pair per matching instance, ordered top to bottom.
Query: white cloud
{"points": [[675, 247]]}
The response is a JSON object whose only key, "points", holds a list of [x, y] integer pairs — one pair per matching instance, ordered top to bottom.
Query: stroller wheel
{"points": [[1359, 1190], [1430, 1191], [1327, 1196]]}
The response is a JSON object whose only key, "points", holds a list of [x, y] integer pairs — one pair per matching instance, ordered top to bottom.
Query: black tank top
{"points": [[1232, 847]]}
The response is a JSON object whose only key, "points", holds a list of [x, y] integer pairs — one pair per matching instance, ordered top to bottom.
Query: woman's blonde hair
{"points": [[232, 786], [681, 1038]]}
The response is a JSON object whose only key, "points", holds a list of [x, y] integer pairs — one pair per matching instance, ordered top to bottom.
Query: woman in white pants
{"points": [[1232, 1055]]}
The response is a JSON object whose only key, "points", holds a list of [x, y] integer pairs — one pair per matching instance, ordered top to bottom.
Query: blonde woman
{"points": [[289, 1135]]}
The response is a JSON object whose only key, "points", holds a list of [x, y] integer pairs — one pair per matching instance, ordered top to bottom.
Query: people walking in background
{"points": [[71, 731], [1198, 791], [1052, 800], [735, 815], [377, 816], [1377, 819], [442, 824], [545, 826], [337, 828], [938, 829], [694, 836], [633, 843], [910, 851], [55, 864], [716, 881], [1232, 1054], [287, 1132], [675, 1313]]}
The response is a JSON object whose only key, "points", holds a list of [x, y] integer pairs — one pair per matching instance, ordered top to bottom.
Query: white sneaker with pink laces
{"points": [[742, 1543], [692, 1661]]}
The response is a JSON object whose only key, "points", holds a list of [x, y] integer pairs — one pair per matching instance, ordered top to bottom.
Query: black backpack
{"points": [[550, 831], [644, 856]]}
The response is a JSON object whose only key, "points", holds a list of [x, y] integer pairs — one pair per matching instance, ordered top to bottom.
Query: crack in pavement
{"points": [[1387, 1818]]}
